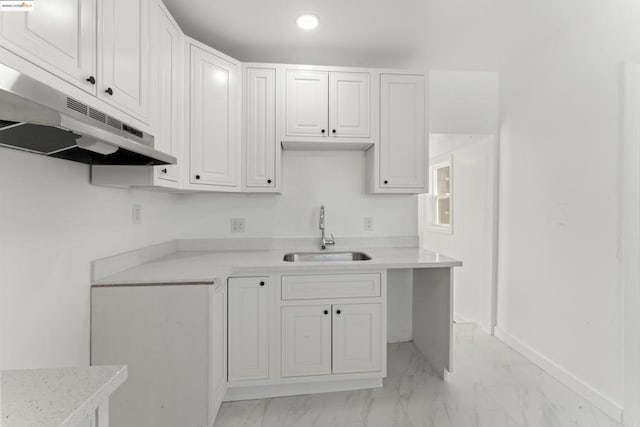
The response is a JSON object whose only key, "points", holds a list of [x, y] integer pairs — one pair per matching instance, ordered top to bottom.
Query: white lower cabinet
{"points": [[249, 328], [306, 333], [356, 338], [331, 339], [173, 340], [306, 340], [218, 348]]}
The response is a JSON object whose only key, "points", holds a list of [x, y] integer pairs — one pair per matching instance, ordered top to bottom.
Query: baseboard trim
{"points": [[281, 390], [585, 390]]}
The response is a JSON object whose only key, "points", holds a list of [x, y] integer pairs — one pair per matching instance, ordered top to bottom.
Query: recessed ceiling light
{"points": [[307, 21]]}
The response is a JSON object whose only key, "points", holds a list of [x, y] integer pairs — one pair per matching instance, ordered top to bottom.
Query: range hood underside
{"points": [[62, 144]]}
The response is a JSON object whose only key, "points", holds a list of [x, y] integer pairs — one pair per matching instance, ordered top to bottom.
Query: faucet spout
{"points": [[324, 242]]}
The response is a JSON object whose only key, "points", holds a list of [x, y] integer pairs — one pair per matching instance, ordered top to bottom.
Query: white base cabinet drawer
{"points": [[330, 286]]}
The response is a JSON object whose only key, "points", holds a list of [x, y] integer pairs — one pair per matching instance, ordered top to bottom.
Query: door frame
{"points": [[629, 156]]}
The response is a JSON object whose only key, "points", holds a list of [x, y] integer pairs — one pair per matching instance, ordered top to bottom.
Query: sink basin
{"points": [[325, 256]]}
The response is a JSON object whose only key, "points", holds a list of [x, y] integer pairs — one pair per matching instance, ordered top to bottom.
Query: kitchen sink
{"points": [[325, 256]]}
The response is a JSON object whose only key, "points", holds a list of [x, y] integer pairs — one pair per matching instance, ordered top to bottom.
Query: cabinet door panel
{"points": [[57, 33], [124, 55], [169, 92], [307, 103], [349, 104], [260, 128], [402, 132], [214, 139], [248, 328], [162, 334], [356, 338], [306, 340], [218, 348]]}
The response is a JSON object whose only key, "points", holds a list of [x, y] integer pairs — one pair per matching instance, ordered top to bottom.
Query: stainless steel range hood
{"points": [[36, 118]]}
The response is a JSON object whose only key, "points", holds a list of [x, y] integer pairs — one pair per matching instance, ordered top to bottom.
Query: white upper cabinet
{"points": [[58, 35], [102, 47], [124, 55], [169, 99], [307, 103], [349, 104], [327, 106], [214, 136], [402, 145], [261, 147], [249, 328], [357, 338]]}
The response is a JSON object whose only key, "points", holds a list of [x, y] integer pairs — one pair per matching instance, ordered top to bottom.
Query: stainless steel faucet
{"points": [[325, 242]]}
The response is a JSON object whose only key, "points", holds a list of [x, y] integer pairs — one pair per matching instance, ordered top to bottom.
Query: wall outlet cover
{"points": [[136, 214], [368, 223], [237, 225]]}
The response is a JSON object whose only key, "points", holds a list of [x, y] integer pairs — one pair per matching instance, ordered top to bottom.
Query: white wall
{"points": [[560, 66], [463, 102], [311, 178], [53, 223], [471, 239], [559, 289]]}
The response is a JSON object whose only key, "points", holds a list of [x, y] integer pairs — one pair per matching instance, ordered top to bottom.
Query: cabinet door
{"points": [[58, 35], [123, 55], [169, 101], [307, 103], [349, 104], [260, 127], [402, 131], [214, 136], [248, 328], [162, 334], [356, 338], [306, 340], [218, 348]]}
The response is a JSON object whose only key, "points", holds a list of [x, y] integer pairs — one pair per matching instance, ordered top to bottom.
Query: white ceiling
{"points": [[351, 32], [434, 34]]}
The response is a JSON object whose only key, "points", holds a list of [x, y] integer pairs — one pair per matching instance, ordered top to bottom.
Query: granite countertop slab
{"points": [[56, 397]]}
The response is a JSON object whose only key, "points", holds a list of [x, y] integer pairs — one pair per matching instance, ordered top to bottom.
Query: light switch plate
{"points": [[237, 225]]}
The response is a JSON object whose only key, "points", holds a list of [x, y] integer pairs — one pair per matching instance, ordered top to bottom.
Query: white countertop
{"points": [[205, 266], [56, 397]]}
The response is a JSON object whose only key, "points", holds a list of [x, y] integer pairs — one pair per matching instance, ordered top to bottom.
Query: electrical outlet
{"points": [[136, 214], [368, 223], [237, 225]]}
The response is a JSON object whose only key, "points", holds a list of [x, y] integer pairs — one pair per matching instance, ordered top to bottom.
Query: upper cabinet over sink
{"points": [[326, 107]]}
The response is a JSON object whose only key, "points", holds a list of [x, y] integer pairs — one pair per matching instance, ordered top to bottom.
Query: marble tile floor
{"points": [[492, 386]]}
